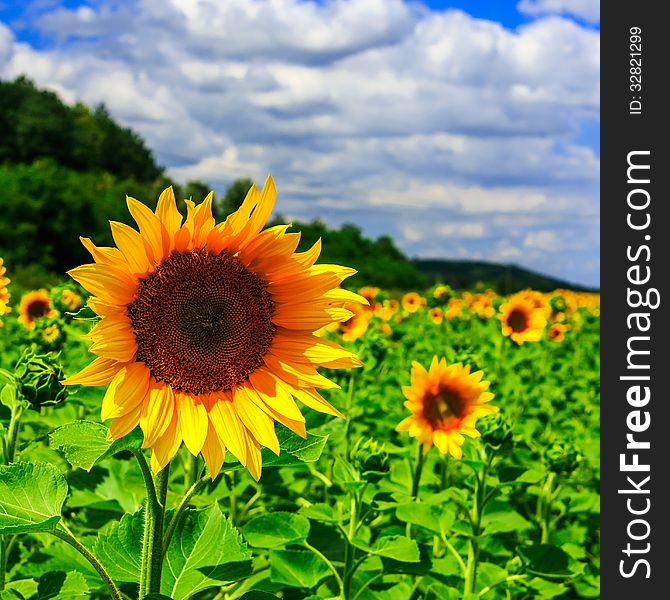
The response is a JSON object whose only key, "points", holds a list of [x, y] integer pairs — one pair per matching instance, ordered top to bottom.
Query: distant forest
{"points": [[65, 171]]}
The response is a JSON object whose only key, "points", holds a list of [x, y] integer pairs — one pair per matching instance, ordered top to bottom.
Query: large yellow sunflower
{"points": [[4, 294], [33, 306], [521, 320], [206, 330], [446, 402]]}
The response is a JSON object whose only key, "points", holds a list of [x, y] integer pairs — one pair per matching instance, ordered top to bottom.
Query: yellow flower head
{"points": [[4, 294], [71, 299], [411, 302], [33, 306], [454, 308], [435, 315], [521, 320], [356, 326], [206, 330], [557, 332], [445, 402]]}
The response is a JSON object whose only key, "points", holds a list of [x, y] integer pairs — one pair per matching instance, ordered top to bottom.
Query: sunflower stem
{"points": [[347, 408], [8, 455], [416, 480], [183, 503], [476, 514], [154, 516], [64, 534], [350, 549]]}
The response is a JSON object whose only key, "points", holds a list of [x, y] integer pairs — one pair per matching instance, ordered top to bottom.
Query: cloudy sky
{"points": [[465, 129]]}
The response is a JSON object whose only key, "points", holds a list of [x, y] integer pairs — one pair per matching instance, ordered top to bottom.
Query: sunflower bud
{"points": [[558, 304], [38, 377], [496, 431], [562, 457], [370, 459]]}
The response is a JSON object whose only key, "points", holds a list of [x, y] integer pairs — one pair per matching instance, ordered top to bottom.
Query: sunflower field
{"points": [[203, 412]]}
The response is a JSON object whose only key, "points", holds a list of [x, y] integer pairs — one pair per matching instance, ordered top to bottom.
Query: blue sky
{"points": [[462, 129]]}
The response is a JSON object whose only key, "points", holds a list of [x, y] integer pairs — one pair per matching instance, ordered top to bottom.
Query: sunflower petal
{"points": [[100, 372], [126, 391], [158, 409], [192, 421], [259, 424], [213, 451]]}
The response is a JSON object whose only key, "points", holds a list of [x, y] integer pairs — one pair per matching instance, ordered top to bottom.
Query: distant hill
{"points": [[504, 279]]}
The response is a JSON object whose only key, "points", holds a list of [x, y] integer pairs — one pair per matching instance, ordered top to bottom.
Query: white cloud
{"points": [[589, 10], [367, 110], [543, 239]]}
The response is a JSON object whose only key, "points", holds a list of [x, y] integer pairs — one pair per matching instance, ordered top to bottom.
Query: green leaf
{"points": [[85, 313], [6, 377], [8, 395], [82, 442], [85, 443], [294, 449], [31, 497], [321, 512], [429, 516], [501, 519], [276, 529], [397, 547], [119, 548], [205, 551], [545, 559], [422, 567], [297, 568], [58, 585], [19, 588], [258, 595]]}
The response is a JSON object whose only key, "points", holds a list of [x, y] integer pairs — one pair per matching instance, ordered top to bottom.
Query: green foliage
{"points": [[36, 124], [235, 195], [378, 262], [480, 276], [31, 497], [276, 529], [205, 551]]}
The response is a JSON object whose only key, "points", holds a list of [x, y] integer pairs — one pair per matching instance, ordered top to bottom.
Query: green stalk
{"points": [[347, 410], [13, 433], [9, 453], [418, 470], [416, 480], [194, 489], [544, 503], [476, 514], [154, 516], [63, 534], [350, 550], [329, 564]]}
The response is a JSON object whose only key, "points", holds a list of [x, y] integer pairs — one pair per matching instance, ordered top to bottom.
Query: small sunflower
{"points": [[4, 294], [71, 299], [411, 302], [35, 305], [454, 308], [435, 315], [521, 320], [356, 326], [206, 330], [557, 332], [445, 402]]}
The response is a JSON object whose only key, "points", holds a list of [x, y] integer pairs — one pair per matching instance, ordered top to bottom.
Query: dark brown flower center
{"points": [[37, 309], [517, 320], [203, 322], [447, 403]]}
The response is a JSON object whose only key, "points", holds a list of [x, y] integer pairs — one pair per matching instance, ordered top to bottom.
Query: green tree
{"points": [[235, 195]]}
